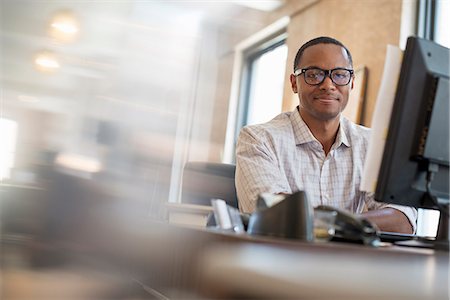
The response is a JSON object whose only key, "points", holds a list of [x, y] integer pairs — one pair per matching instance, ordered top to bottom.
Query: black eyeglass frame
{"points": [[299, 72]]}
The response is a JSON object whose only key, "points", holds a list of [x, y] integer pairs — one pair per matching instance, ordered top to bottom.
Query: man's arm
{"points": [[257, 169], [389, 219]]}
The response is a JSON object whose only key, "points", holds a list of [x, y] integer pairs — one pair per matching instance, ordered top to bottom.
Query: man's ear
{"points": [[353, 82], [294, 83]]}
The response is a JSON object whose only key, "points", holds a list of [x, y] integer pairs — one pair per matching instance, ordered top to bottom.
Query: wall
{"points": [[365, 27]]}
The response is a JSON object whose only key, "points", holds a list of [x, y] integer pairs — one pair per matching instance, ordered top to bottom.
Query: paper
{"points": [[381, 118], [221, 214]]}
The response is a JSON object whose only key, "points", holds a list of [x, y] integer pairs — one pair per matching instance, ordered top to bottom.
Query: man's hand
{"points": [[389, 219]]}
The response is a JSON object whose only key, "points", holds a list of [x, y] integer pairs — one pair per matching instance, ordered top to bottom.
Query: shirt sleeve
{"points": [[257, 169], [409, 212]]}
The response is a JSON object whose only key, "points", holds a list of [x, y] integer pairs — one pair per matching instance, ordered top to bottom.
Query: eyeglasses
{"points": [[315, 76]]}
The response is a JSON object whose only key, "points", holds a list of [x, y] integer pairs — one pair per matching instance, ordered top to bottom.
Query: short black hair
{"points": [[316, 41]]}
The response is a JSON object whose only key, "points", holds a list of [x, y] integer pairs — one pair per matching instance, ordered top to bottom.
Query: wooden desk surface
{"points": [[183, 263], [258, 267], [324, 272]]}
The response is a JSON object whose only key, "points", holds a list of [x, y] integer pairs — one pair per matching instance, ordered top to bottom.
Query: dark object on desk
{"points": [[203, 181], [291, 218], [352, 228], [393, 237], [411, 240], [423, 242]]}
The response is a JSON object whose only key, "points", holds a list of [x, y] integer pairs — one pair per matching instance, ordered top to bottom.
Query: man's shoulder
{"points": [[280, 124], [356, 130]]}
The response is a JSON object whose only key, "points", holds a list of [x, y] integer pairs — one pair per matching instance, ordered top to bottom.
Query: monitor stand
{"points": [[441, 242]]}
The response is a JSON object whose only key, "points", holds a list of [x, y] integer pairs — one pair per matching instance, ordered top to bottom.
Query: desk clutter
{"points": [[292, 217]]}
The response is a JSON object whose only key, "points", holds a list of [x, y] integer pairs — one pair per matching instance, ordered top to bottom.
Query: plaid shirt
{"points": [[283, 156]]}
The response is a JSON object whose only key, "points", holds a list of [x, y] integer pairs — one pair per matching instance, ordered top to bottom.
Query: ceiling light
{"points": [[64, 26], [68, 28], [46, 61]]}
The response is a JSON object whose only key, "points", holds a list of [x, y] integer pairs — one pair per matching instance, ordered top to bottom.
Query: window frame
{"points": [[426, 19], [427, 22]]}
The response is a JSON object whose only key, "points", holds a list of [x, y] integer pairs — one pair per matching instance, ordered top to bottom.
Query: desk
{"points": [[186, 263], [221, 265], [232, 266], [331, 271]]}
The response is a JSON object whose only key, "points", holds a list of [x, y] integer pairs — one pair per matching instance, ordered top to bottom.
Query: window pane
{"points": [[442, 30], [266, 89], [8, 132]]}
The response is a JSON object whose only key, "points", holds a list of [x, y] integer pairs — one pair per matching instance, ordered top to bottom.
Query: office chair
{"points": [[203, 181]]}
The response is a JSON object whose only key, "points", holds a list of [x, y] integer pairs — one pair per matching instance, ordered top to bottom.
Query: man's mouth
{"points": [[326, 98]]}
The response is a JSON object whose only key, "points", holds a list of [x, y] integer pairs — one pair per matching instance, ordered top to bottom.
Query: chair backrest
{"points": [[203, 181]]}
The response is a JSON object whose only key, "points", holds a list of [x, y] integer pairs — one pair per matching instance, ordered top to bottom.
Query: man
{"points": [[314, 148]]}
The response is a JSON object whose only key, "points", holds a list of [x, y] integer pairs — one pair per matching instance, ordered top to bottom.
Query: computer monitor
{"points": [[415, 167]]}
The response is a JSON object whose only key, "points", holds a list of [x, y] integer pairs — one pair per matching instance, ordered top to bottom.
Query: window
{"points": [[433, 21], [442, 23], [258, 81], [263, 86], [260, 96], [8, 132]]}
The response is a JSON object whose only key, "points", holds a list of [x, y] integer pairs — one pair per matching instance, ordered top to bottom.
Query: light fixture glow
{"points": [[64, 26], [68, 28], [46, 61]]}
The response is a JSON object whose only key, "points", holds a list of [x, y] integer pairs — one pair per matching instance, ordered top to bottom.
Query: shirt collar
{"points": [[303, 134], [341, 137]]}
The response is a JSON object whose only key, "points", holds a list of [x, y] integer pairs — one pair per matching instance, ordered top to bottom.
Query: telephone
{"points": [[352, 228]]}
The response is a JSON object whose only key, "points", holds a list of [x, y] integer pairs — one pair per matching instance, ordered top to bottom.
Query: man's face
{"points": [[327, 100]]}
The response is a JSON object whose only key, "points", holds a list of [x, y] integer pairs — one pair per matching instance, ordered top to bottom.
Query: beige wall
{"points": [[364, 26]]}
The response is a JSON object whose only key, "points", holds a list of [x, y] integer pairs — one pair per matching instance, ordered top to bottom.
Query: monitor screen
{"points": [[415, 167]]}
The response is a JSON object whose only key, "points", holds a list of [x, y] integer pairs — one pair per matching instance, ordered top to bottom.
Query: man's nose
{"points": [[327, 83]]}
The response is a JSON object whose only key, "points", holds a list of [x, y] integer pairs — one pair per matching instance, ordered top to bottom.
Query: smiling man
{"points": [[314, 148]]}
